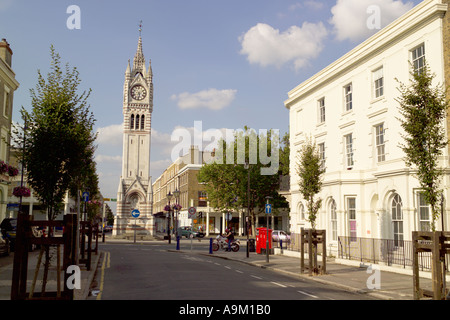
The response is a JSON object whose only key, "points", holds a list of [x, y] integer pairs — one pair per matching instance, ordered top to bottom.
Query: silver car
{"points": [[278, 235]]}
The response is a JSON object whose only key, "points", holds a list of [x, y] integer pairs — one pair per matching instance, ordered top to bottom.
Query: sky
{"points": [[223, 64]]}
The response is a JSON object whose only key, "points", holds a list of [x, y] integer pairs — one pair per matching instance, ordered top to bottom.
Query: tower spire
{"points": [[139, 60]]}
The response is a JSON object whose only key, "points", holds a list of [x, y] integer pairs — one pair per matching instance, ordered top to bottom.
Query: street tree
{"points": [[423, 108], [58, 141], [310, 171], [238, 183]]}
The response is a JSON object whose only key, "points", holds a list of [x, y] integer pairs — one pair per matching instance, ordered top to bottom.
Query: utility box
{"points": [[261, 234]]}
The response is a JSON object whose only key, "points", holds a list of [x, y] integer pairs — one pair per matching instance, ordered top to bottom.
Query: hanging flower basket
{"points": [[3, 167], [12, 171], [21, 192], [167, 208]]}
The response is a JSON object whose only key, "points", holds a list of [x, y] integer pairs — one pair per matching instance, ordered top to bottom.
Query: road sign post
{"points": [[268, 212], [135, 214], [191, 215]]}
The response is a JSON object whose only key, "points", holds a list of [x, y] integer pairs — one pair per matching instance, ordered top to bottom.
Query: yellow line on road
{"points": [[106, 264]]}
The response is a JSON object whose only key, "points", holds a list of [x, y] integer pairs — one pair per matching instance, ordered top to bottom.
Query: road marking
{"points": [[105, 264], [217, 264], [227, 267], [239, 271], [256, 277], [279, 284], [308, 294]]}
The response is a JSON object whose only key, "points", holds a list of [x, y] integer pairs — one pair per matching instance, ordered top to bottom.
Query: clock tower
{"points": [[135, 186]]}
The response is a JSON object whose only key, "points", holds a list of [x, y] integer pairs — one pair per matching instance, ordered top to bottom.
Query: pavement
{"points": [[379, 282]]}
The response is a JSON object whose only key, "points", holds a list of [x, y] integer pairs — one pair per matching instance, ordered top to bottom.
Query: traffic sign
{"points": [[85, 196], [268, 208], [192, 212], [135, 213]]}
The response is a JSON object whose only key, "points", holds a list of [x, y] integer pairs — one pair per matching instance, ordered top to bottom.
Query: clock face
{"points": [[138, 92]]}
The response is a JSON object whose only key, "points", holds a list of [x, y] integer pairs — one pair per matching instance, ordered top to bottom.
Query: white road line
{"points": [[217, 264], [227, 267], [239, 271], [256, 277], [279, 284], [307, 294]]}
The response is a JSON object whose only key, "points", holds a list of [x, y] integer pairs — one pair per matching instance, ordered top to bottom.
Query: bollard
{"points": [[178, 242], [210, 245], [281, 246]]}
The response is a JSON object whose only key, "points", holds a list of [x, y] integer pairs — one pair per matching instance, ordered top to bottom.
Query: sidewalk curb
{"points": [[83, 293]]}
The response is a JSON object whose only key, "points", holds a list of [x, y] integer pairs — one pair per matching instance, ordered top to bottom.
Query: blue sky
{"points": [[225, 63]]}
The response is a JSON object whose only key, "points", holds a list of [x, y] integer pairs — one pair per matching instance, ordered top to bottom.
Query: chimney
{"points": [[5, 52]]}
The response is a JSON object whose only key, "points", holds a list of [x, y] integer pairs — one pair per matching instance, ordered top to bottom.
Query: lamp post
{"points": [[247, 166], [176, 194], [169, 197], [267, 230]]}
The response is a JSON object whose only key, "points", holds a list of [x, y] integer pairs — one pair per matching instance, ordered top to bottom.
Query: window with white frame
{"points": [[418, 58], [378, 82], [348, 97], [321, 110], [379, 142], [349, 150], [322, 155], [351, 210], [301, 211], [424, 213], [397, 220], [333, 221]]}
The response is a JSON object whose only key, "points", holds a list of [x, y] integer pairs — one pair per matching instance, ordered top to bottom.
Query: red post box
{"points": [[261, 234]]}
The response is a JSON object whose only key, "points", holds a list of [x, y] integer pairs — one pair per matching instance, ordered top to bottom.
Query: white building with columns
{"points": [[350, 110]]}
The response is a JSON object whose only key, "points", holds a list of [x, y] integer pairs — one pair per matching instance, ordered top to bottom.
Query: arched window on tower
{"points": [[132, 122], [137, 122], [142, 122]]}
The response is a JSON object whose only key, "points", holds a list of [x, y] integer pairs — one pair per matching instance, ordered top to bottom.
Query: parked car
{"points": [[8, 229], [188, 232], [278, 235], [4, 247]]}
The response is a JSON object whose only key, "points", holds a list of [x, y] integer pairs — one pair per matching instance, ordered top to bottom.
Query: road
{"points": [[152, 272]]}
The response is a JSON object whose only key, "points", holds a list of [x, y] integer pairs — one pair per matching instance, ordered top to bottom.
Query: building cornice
{"points": [[425, 11], [8, 75]]}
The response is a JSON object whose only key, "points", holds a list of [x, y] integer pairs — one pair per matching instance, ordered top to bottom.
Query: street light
{"points": [[247, 166], [176, 194], [169, 197], [267, 230]]}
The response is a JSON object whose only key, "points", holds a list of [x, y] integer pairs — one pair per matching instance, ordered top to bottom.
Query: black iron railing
{"points": [[387, 251]]}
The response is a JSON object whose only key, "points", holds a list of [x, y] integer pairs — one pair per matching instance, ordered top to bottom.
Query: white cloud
{"points": [[353, 19], [266, 46], [211, 99], [110, 135], [101, 158]]}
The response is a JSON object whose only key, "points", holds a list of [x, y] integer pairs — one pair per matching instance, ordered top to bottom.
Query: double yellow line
{"points": [[105, 265]]}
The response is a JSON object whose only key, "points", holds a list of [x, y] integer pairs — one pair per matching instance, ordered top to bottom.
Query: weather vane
{"points": [[140, 28]]}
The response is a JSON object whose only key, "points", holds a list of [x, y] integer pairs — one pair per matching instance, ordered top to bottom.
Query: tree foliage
{"points": [[424, 109], [58, 142], [310, 171], [235, 185]]}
